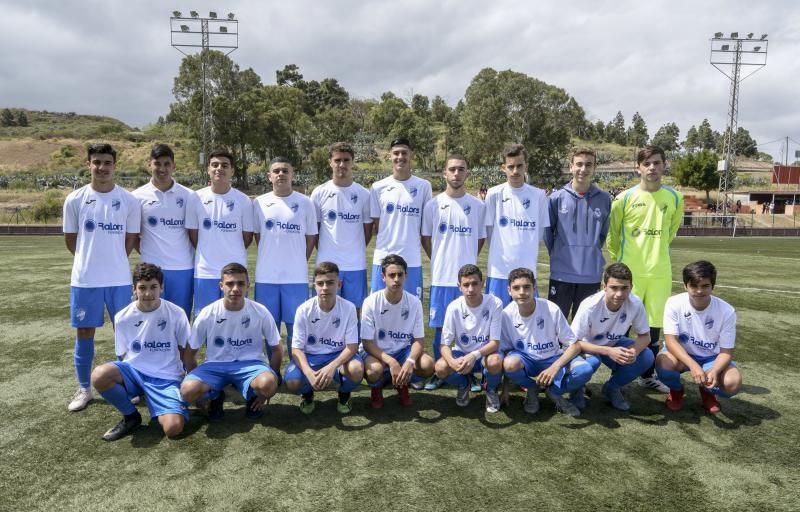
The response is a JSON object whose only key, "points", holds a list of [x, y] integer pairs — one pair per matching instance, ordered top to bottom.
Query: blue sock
{"points": [[437, 344], [84, 355], [670, 377], [520, 378], [457, 380], [493, 380], [347, 385], [117, 396]]}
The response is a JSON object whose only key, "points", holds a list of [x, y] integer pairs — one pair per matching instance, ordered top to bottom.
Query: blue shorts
{"points": [[412, 285], [178, 288], [499, 288], [206, 291], [441, 297], [282, 300], [86, 304], [400, 356], [315, 361], [706, 362], [478, 366], [534, 367], [239, 373], [163, 396]]}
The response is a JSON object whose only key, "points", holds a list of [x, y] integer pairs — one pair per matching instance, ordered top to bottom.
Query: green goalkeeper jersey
{"points": [[641, 227]]}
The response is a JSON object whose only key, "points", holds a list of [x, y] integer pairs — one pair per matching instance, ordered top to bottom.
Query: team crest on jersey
{"points": [[413, 191], [354, 198], [179, 202], [526, 203], [115, 204], [230, 204], [294, 207], [467, 210], [563, 210], [597, 213], [331, 215], [152, 221], [207, 223], [89, 225], [443, 227], [636, 232], [553, 291], [404, 313], [485, 314], [623, 316], [246, 322], [336, 322], [162, 323], [540, 323], [709, 323], [381, 334], [464, 339], [311, 340], [219, 341], [519, 344], [136, 346]]}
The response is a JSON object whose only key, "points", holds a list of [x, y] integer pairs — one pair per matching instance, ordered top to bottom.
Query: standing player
{"points": [[396, 206], [219, 219], [516, 219], [643, 222], [101, 225], [345, 225], [578, 228], [286, 231], [164, 240], [473, 323], [601, 326], [234, 330], [534, 332], [700, 333], [393, 335], [150, 336], [325, 343]]}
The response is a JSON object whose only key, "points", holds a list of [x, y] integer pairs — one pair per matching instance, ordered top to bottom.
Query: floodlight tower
{"points": [[214, 33], [729, 55]]}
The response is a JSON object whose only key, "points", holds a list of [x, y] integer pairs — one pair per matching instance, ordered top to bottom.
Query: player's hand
{"points": [[622, 355], [465, 364], [394, 370], [406, 371], [698, 374], [324, 377], [546, 377], [711, 380], [258, 403]]}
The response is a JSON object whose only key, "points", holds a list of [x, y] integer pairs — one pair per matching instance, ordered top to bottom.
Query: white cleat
{"points": [[80, 399]]}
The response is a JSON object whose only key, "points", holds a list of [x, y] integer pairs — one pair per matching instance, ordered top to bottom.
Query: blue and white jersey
{"points": [[398, 205], [342, 213], [518, 218], [101, 220], [220, 220], [282, 225], [455, 225], [164, 239], [597, 324], [391, 326], [472, 328], [318, 332], [701, 333], [234, 335], [541, 335], [150, 340]]}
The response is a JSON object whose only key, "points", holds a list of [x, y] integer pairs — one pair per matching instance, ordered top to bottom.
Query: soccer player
{"points": [[396, 206], [219, 219], [516, 219], [643, 222], [101, 225], [345, 225], [578, 228], [286, 231], [164, 240], [473, 324], [601, 326], [234, 330], [534, 332], [700, 333], [393, 335], [150, 337], [325, 343]]}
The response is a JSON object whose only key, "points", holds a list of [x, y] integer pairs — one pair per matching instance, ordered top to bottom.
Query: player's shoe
{"points": [[417, 384], [434, 384], [654, 384], [476, 386], [462, 396], [376, 398], [405, 398], [578, 398], [616, 398], [80, 399], [675, 399], [136, 400], [492, 401], [710, 402], [531, 404], [562, 404], [307, 407], [215, 408], [344, 408], [248, 410], [125, 426]]}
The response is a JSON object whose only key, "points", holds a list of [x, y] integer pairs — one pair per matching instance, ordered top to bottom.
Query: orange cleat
{"points": [[376, 398], [675, 399], [710, 402]]}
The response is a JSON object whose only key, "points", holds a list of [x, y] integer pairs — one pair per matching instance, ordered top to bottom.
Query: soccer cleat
{"points": [[417, 384], [434, 384], [654, 384], [476, 386], [462, 397], [376, 398], [405, 398], [578, 398], [616, 398], [80, 399], [675, 399], [136, 400], [492, 401], [710, 402], [531, 404], [562, 404], [307, 407], [215, 408], [344, 408], [249, 412], [125, 426]]}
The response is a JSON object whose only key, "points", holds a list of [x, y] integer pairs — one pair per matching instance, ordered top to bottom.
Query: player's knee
{"points": [[85, 332], [663, 360], [494, 363], [512, 364], [426, 366], [441, 368], [354, 370], [103, 376], [732, 382], [265, 384], [293, 385], [191, 390], [172, 424]]}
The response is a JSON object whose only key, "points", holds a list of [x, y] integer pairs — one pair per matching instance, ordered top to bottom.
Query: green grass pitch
{"points": [[432, 456]]}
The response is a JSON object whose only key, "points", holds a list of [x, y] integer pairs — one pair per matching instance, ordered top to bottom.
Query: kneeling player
{"points": [[473, 322], [601, 326], [233, 329], [534, 331], [700, 333], [393, 336], [150, 337], [325, 343]]}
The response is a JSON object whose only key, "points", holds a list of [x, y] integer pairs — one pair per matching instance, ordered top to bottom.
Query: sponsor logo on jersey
{"points": [[90, 201], [207, 202], [151, 203], [115, 204], [638, 205], [444, 207], [406, 209], [332, 215], [171, 223], [207, 223], [517, 223], [279, 225], [109, 227], [444, 227], [636, 232], [384, 311], [687, 314], [603, 319], [220, 320], [315, 320], [246, 322], [162, 323], [137, 324], [395, 335], [599, 337], [613, 337], [479, 338], [686, 338], [464, 339], [239, 342], [330, 342], [520, 344], [547, 345], [152, 346]]}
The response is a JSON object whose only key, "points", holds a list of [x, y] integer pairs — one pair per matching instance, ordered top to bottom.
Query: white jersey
{"points": [[398, 205], [342, 213], [518, 218], [101, 220], [220, 220], [282, 225], [455, 225], [164, 239], [595, 323], [392, 327], [472, 328], [318, 332], [701, 333], [234, 335], [541, 335], [150, 341]]}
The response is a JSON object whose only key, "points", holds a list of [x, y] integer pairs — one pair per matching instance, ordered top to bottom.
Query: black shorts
{"points": [[568, 296]]}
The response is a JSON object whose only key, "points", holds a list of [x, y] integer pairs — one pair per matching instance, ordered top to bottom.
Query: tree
{"points": [[290, 75], [324, 95], [421, 105], [439, 109], [382, 117], [7, 118], [22, 118], [615, 129], [417, 130], [599, 131], [637, 133], [705, 136], [667, 137], [692, 142], [745, 144], [697, 170]]}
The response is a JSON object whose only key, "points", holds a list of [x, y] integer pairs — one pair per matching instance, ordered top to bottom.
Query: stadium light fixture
{"points": [[177, 14], [193, 14], [212, 15], [231, 16], [184, 28], [223, 29], [717, 35], [734, 35], [750, 35], [763, 37], [725, 47], [756, 48]]}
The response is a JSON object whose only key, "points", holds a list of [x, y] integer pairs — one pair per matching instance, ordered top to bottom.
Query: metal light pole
{"points": [[729, 55]]}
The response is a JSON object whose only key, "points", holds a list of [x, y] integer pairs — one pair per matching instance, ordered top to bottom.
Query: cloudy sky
{"points": [[114, 57]]}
